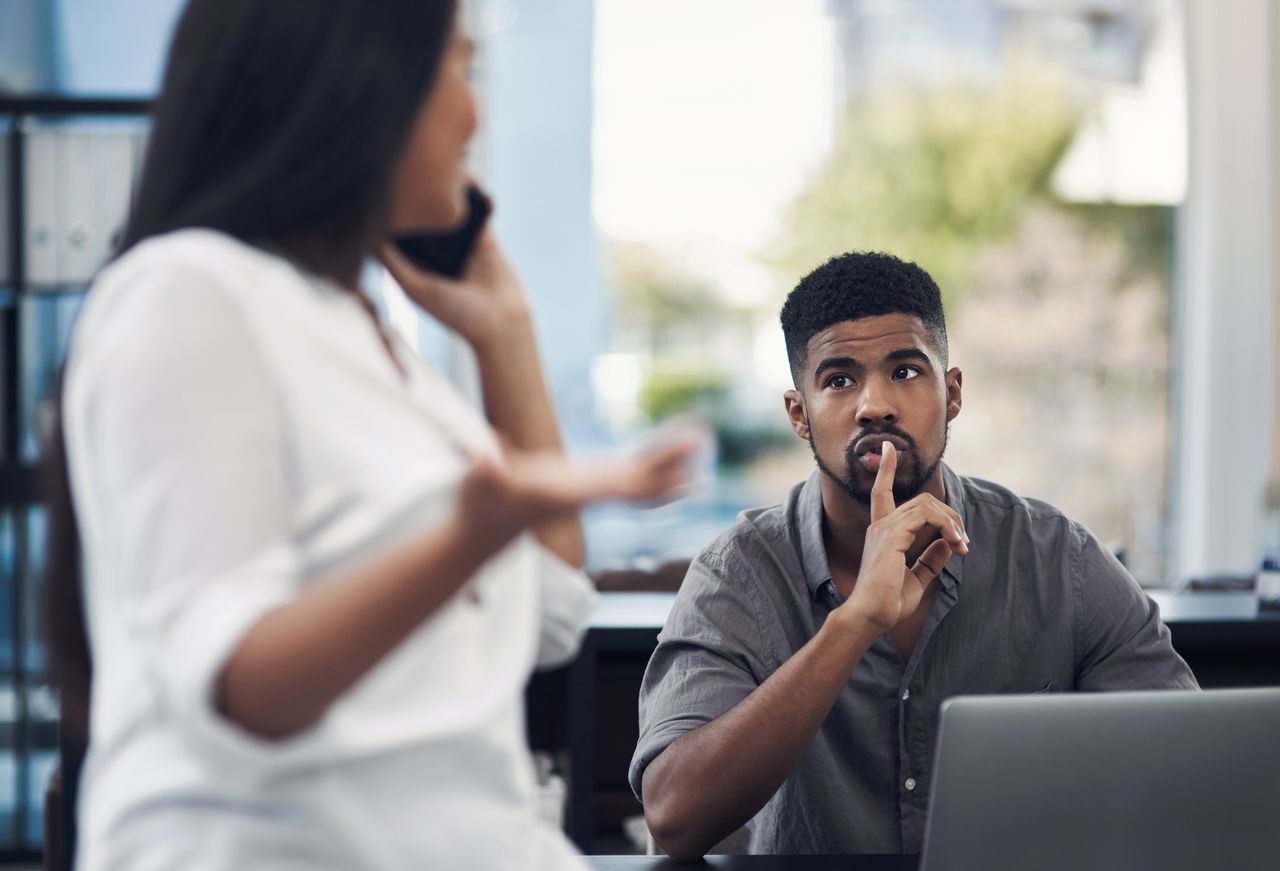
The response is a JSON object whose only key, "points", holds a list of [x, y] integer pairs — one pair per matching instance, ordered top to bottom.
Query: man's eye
{"points": [[904, 373], [840, 382]]}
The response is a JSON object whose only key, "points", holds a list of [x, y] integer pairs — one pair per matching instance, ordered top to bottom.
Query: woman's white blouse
{"points": [[237, 433]]}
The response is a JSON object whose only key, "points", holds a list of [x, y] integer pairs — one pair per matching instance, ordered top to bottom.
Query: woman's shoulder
{"points": [[204, 256], [178, 275], [189, 282]]}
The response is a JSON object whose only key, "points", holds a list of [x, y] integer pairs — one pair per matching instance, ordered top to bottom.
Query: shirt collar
{"points": [[955, 498], [809, 521], [813, 551]]}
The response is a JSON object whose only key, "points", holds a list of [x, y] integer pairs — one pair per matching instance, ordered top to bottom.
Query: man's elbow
{"points": [[676, 827], [672, 834]]}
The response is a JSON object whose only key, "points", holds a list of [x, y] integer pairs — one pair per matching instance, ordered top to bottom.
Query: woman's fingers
{"points": [[485, 255], [425, 288], [661, 473], [546, 484]]}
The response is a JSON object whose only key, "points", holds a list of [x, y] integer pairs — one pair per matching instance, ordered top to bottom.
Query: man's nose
{"points": [[876, 406]]}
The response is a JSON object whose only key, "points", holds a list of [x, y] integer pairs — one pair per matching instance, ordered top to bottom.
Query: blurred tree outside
{"points": [[934, 171], [661, 308], [1058, 313], [691, 341]]}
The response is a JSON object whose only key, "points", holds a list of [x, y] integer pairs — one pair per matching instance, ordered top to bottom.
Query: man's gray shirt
{"points": [[1038, 605]]}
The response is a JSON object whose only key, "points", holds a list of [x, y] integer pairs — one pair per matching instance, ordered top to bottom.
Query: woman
{"points": [[315, 580]]}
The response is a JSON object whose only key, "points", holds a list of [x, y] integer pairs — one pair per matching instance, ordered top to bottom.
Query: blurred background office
{"points": [[1092, 182]]}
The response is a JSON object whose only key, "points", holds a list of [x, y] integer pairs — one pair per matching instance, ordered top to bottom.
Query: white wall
{"points": [[111, 47], [26, 59], [535, 65], [1223, 366], [1273, 487]]}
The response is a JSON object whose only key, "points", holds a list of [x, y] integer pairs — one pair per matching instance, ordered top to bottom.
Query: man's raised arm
{"points": [[718, 774]]}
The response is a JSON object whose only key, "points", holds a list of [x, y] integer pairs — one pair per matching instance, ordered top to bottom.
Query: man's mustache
{"points": [[886, 429]]}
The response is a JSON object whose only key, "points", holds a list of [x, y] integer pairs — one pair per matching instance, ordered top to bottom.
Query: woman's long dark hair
{"points": [[279, 122]]}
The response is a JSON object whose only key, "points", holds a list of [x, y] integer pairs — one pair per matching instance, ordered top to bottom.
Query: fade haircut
{"points": [[860, 284]]}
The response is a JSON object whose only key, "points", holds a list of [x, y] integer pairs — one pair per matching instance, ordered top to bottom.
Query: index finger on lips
{"points": [[882, 503]]}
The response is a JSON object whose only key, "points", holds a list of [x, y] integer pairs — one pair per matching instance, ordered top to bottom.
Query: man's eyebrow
{"points": [[907, 354], [834, 363]]}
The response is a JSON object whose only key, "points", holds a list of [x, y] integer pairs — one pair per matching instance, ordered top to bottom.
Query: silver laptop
{"points": [[1159, 780]]}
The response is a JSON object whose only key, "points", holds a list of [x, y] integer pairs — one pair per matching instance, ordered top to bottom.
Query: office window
{"points": [[1030, 156]]}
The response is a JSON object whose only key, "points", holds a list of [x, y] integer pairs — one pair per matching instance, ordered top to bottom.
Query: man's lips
{"points": [[871, 444], [867, 449]]}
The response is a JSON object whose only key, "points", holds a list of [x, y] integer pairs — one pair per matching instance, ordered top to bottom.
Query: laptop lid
{"points": [[1162, 780]]}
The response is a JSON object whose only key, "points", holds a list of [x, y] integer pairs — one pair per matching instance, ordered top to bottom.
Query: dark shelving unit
{"points": [[29, 732]]}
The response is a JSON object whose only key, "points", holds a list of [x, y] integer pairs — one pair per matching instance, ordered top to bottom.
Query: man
{"points": [[797, 682]]}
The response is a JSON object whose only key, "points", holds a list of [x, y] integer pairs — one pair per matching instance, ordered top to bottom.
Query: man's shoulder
{"points": [[995, 503], [765, 531], [751, 556], [750, 577]]}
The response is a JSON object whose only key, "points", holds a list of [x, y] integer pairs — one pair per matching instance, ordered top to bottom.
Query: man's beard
{"points": [[903, 491]]}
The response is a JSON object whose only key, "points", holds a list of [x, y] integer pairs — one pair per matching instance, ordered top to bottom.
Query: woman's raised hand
{"points": [[483, 306], [498, 501]]}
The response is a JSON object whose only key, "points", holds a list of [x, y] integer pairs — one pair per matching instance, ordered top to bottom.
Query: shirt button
{"points": [[906, 694], [910, 784]]}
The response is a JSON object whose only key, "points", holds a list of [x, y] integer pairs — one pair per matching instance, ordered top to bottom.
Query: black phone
{"points": [[447, 252]]}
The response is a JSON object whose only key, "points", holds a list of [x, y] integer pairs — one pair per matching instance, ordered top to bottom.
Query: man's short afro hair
{"points": [[860, 284]]}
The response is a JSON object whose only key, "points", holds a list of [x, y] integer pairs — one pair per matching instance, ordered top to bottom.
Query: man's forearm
{"points": [[518, 406], [714, 779]]}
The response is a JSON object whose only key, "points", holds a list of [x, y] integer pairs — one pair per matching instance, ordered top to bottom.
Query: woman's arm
{"points": [[490, 310], [518, 406], [178, 451], [301, 657]]}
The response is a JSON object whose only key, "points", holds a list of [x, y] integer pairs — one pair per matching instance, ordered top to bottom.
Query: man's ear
{"points": [[955, 378], [794, 400]]}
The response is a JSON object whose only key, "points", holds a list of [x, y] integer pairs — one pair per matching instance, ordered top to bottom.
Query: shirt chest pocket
{"points": [[995, 670]]}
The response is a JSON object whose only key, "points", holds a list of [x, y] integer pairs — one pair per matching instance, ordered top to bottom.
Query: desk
{"points": [[1224, 637], [759, 863]]}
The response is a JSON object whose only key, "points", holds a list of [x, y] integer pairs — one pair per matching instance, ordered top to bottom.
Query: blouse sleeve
{"points": [[185, 475], [567, 597]]}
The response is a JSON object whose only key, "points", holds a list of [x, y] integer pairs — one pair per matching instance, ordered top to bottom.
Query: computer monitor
{"points": [[1098, 781]]}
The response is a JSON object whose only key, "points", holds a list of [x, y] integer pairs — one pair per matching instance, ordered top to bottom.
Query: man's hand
{"points": [[887, 590]]}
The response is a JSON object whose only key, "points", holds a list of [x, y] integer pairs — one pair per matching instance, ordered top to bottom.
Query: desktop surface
{"points": [[759, 863]]}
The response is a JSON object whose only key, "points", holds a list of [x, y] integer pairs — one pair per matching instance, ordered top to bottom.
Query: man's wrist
{"points": [[852, 628]]}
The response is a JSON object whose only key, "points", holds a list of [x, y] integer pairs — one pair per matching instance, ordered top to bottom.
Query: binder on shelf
{"points": [[117, 166], [79, 180], [40, 201], [76, 239]]}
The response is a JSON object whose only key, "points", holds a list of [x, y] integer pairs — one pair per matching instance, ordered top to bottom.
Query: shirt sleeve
{"points": [[186, 476], [567, 597], [1121, 642], [706, 661]]}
